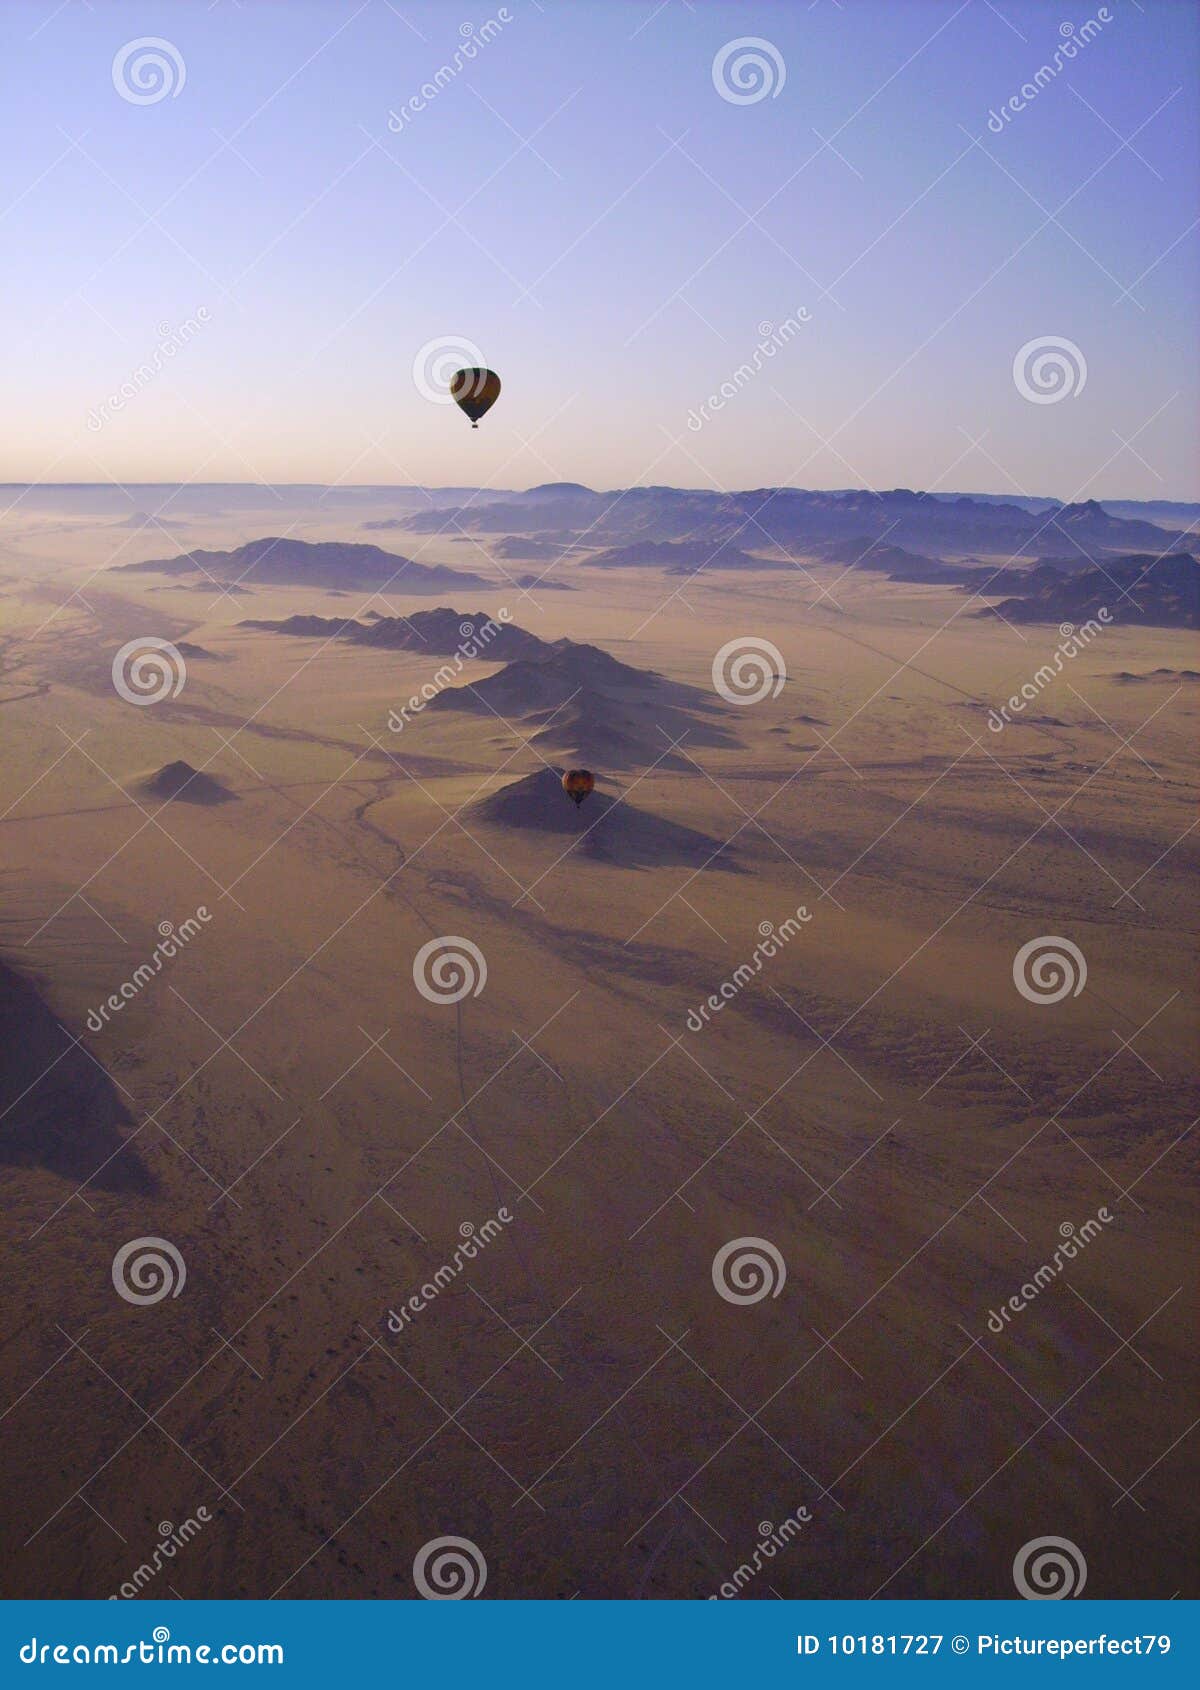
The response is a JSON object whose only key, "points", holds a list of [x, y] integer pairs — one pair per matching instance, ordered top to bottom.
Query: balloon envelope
{"points": [[475, 391], [577, 783]]}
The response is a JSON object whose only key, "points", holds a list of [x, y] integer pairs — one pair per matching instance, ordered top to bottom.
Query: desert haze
{"points": [[771, 983]]}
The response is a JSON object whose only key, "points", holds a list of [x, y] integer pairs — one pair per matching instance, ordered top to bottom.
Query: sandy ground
{"points": [[911, 1134]]}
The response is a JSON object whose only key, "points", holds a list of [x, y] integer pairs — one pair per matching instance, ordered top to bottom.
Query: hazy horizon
{"points": [[596, 204], [348, 487]]}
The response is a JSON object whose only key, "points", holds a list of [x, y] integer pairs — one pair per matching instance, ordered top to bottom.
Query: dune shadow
{"points": [[59, 1110]]}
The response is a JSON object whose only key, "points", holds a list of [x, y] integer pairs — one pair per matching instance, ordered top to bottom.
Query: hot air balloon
{"points": [[475, 392], [577, 783]]}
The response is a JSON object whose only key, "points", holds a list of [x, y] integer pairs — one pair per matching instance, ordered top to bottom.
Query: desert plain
{"points": [[315, 1136]]}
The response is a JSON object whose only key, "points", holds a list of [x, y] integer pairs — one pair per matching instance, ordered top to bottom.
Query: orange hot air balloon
{"points": [[475, 391], [577, 783]]}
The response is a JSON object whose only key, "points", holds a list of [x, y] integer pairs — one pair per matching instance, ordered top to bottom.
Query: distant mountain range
{"points": [[394, 507], [769, 521], [307, 563], [1153, 590]]}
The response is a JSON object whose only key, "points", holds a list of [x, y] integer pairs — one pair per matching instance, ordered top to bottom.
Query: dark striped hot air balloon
{"points": [[475, 391], [577, 783]]}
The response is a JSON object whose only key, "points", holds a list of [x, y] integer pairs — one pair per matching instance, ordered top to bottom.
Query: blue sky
{"points": [[582, 205]]}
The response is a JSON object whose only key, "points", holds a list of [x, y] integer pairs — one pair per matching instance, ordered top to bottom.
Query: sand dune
{"points": [[433, 633], [182, 784], [611, 830]]}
